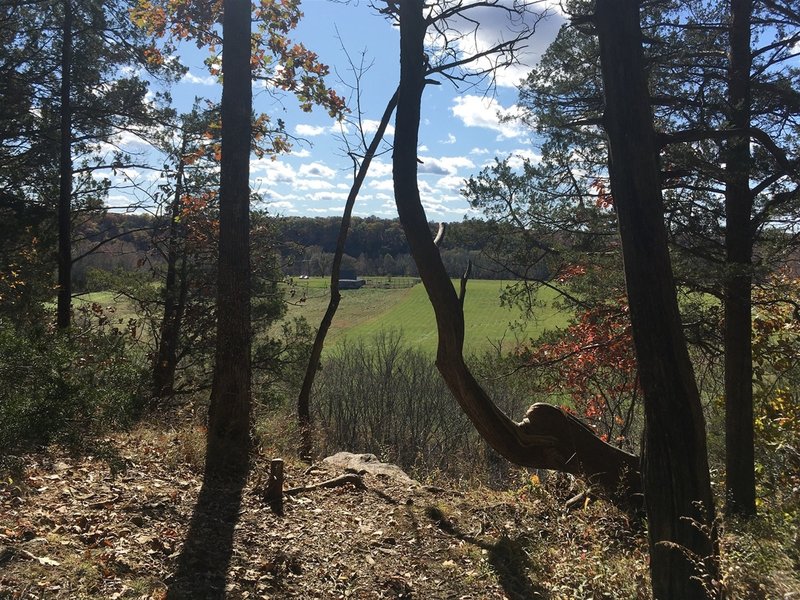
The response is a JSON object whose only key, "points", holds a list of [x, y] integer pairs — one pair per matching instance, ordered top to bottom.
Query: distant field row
{"points": [[398, 304], [365, 312]]}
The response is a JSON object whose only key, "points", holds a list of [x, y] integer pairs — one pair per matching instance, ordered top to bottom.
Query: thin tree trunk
{"points": [[64, 307], [167, 354], [304, 399], [229, 411], [547, 437], [740, 485], [678, 499]]}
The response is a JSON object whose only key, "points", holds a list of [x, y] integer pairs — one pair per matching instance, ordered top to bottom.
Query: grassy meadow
{"points": [[402, 306], [122, 308], [363, 313]]}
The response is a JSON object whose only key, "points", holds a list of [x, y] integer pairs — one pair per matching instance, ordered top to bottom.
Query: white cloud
{"points": [[497, 24], [190, 77], [477, 111], [371, 126], [309, 130], [451, 139], [126, 141], [422, 148], [479, 151], [301, 153], [518, 156], [446, 165], [316, 169], [379, 169], [272, 172], [129, 173], [451, 182], [312, 184], [386, 185], [426, 189], [274, 196], [328, 197], [118, 201], [282, 205], [434, 206], [388, 208], [328, 210]]}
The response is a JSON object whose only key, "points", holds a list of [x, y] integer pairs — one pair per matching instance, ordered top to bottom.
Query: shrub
{"points": [[57, 387], [386, 398]]}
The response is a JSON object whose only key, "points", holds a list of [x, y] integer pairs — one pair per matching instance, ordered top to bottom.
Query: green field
{"points": [[122, 308], [364, 313]]}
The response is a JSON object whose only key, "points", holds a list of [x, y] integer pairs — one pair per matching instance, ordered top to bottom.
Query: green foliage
{"points": [[25, 264], [279, 362], [62, 388], [776, 392], [761, 557]]}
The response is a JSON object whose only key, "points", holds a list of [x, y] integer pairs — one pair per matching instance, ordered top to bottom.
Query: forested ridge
{"points": [[375, 246], [175, 421]]}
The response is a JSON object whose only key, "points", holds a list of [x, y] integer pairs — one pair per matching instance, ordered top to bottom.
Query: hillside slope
{"points": [[70, 528]]}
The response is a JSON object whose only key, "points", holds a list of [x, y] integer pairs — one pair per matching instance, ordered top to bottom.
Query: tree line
{"points": [[306, 245]]}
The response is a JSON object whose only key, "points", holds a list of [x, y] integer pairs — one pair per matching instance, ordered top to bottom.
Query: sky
{"points": [[460, 131]]}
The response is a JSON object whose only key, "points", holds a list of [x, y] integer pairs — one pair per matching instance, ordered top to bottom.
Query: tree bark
{"points": [[64, 306], [167, 354], [304, 398], [229, 411], [548, 437], [740, 485], [678, 499]]}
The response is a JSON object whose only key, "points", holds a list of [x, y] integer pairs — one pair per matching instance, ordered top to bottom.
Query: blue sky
{"points": [[460, 132]]}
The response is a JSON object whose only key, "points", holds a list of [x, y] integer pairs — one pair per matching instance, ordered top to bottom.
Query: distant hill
{"points": [[375, 246], [378, 246]]}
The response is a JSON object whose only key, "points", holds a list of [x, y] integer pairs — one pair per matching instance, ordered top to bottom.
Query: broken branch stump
{"points": [[274, 493]]}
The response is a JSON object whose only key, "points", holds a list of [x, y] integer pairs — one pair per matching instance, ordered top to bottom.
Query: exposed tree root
{"points": [[348, 478]]}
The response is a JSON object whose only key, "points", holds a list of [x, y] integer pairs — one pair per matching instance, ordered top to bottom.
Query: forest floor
{"points": [[134, 521]]}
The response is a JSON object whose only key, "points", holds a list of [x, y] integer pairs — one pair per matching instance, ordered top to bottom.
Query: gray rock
{"points": [[369, 463]]}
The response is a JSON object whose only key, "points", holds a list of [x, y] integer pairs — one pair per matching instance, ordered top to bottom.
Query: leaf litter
{"points": [[72, 527]]}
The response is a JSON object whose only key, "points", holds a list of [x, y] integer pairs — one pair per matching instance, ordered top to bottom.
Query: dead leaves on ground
{"points": [[69, 528]]}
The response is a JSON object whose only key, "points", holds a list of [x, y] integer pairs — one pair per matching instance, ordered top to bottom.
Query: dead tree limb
{"points": [[304, 399]]}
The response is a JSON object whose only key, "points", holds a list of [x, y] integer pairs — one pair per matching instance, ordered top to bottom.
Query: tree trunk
{"points": [[64, 307], [167, 354], [304, 399], [229, 411], [547, 437], [740, 485], [678, 499]]}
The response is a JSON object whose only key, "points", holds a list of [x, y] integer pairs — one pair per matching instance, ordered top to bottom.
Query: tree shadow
{"points": [[507, 556], [202, 567]]}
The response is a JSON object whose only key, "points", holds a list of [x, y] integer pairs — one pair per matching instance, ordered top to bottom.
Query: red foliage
{"points": [[593, 362]]}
